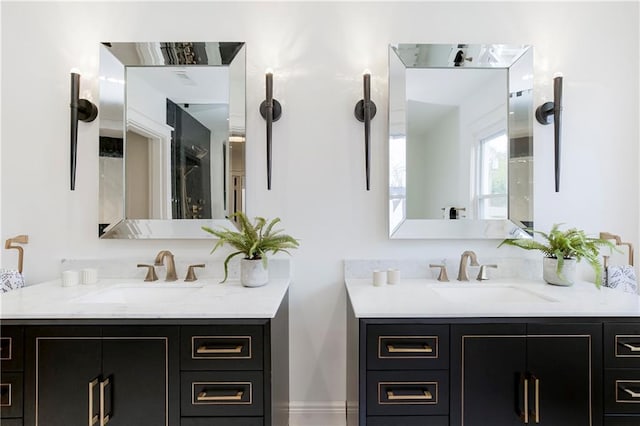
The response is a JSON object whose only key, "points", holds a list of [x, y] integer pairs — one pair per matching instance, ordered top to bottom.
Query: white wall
{"points": [[318, 52]]}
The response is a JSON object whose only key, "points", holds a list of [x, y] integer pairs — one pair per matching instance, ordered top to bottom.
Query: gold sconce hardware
{"points": [[20, 239], [151, 272], [191, 274], [422, 349], [206, 350], [202, 396], [424, 396], [104, 417], [93, 418]]}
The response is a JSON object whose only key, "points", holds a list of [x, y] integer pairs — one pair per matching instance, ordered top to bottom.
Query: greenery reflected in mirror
{"points": [[172, 138], [460, 141]]}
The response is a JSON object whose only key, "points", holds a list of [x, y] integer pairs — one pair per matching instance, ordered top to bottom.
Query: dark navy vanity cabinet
{"points": [[493, 371], [146, 372]]}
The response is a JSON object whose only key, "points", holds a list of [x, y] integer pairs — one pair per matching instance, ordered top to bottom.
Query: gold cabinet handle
{"points": [[631, 347], [203, 349], [425, 349], [631, 393], [202, 396], [424, 396], [525, 396], [536, 412], [104, 417], [93, 418]]}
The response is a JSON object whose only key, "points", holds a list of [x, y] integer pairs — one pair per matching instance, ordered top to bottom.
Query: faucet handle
{"points": [[151, 272], [191, 273], [482, 274], [442, 276]]}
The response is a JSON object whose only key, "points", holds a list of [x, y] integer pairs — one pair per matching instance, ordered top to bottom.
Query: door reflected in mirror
{"points": [[460, 141], [172, 155]]}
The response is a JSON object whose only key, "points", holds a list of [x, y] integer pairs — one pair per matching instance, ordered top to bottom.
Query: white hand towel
{"points": [[622, 277], [10, 279]]}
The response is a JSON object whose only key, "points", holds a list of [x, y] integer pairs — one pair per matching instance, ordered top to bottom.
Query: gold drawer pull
{"points": [[631, 347], [424, 349], [229, 350], [630, 392], [202, 396], [424, 396], [104, 417], [93, 418]]}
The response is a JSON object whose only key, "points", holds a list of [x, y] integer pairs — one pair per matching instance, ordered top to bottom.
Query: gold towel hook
{"points": [[20, 239], [619, 242]]}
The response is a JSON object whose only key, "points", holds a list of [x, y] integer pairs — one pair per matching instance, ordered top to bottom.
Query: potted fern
{"points": [[253, 242], [562, 250]]}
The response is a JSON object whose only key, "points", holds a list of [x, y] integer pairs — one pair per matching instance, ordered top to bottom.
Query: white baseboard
{"points": [[307, 413]]}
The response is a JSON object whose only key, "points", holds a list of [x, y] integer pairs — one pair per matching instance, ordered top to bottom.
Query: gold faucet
{"points": [[171, 265], [463, 275]]}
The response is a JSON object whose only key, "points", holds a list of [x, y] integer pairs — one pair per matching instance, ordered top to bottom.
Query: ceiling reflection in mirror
{"points": [[172, 138], [460, 141]]}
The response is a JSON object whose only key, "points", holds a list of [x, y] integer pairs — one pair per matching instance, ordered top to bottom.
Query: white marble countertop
{"points": [[128, 298], [428, 298]]}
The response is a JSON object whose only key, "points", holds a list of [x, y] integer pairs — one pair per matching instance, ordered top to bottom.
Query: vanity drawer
{"points": [[622, 345], [222, 347], [407, 347], [11, 348], [622, 391], [222, 393], [408, 393], [10, 395], [621, 420], [222, 421], [408, 421]]}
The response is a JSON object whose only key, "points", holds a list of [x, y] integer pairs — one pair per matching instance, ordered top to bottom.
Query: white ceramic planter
{"points": [[253, 273], [567, 275]]}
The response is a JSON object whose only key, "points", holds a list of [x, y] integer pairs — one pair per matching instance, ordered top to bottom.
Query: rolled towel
{"points": [[622, 277], [10, 279]]}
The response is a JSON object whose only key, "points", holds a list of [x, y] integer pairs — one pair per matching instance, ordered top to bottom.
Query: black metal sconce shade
{"points": [[81, 109], [271, 110], [365, 110], [543, 112]]}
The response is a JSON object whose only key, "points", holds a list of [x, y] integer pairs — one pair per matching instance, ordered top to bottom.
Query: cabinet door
{"points": [[136, 362], [61, 364], [486, 375], [563, 376]]}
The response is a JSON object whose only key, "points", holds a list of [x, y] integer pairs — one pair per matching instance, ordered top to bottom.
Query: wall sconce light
{"points": [[81, 109], [547, 109], [271, 110], [365, 110]]}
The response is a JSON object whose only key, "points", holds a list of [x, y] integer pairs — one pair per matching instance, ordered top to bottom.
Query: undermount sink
{"points": [[483, 293], [139, 294]]}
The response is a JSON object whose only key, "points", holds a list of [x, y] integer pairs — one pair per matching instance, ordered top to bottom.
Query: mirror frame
{"points": [[179, 228], [455, 228]]}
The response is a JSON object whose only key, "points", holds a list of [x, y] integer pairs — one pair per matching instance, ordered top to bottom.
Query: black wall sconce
{"points": [[81, 109], [547, 109], [271, 110], [365, 110]]}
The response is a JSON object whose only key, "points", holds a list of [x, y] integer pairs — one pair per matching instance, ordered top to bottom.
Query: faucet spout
{"points": [[171, 265], [463, 274]]}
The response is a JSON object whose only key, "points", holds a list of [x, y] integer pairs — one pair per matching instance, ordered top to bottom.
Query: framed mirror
{"points": [[172, 138], [460, 141]]}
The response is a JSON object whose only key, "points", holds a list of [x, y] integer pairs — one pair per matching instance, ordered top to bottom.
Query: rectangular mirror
{"points": [[172, 138], [460, 141]]}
